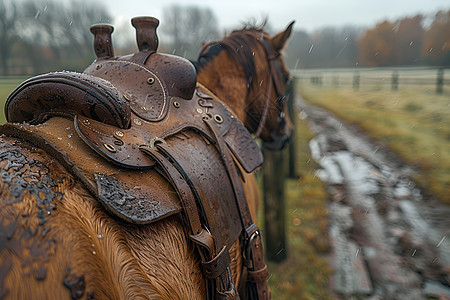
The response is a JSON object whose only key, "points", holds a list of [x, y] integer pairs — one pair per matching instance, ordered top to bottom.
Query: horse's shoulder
{"points": [[55, 239]]}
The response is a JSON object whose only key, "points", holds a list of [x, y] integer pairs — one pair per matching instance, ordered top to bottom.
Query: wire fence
{"points": [[377, 77]]}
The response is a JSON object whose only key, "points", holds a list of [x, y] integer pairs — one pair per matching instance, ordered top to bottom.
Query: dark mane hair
{"points": [[254, 26]]}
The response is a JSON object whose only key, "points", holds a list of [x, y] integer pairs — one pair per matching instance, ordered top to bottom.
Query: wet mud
{"points": [[389, 240]]}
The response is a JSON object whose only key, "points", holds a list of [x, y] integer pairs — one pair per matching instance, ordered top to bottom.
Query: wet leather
{"points": [[147, 143]]}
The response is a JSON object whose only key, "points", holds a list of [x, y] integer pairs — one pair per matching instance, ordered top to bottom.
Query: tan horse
{"points": [[58, 242]]}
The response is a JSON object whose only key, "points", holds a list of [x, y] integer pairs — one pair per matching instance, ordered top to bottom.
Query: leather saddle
{"points": [[145, 139]]}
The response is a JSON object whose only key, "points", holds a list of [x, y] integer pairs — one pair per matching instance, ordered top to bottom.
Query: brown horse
{"points": [[58, 242]]}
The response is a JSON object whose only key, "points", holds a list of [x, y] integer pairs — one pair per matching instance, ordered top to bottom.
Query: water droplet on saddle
{"points": [[100, 236], [93, 252]]}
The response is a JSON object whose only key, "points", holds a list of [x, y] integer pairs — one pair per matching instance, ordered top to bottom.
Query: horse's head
{"points": [[263, 74]]}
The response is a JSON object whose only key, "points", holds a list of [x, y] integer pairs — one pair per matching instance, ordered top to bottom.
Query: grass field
{"points": [[7, 85], [413, 121]]}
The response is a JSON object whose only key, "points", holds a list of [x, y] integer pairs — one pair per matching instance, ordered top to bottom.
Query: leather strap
{"points": [[212, 248], [257, 287]]}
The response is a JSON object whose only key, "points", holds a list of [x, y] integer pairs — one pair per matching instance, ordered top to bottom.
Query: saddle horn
{"points": [[146, 37], [102, 40]]}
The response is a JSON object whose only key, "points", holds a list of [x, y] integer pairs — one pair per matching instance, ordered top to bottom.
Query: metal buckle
{"points": [[252, 233]]}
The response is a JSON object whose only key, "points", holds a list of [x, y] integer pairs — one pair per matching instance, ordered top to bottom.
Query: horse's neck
{"points": [[223, 77]]}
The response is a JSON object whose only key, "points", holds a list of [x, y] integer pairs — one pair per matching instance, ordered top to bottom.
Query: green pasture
{"points": [[7, 85], [413, 120]]}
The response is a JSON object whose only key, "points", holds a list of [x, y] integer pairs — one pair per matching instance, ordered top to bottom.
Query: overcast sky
{"points": [[308, 14]]}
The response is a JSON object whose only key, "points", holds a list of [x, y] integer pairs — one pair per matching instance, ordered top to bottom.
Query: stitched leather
{"points": [[68, 92]]}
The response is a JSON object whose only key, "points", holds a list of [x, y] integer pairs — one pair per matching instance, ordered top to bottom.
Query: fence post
{"points": [[356, 78], [336, 80], [394, 81], [440, 81], [290, 98], [274, 207]]}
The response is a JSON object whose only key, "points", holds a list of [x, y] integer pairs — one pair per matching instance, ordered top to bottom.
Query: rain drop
{"points": [[93, 252]]}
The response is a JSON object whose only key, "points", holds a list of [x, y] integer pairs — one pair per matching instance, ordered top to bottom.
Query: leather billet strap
{"points": [[213, 251], [256, 287]]}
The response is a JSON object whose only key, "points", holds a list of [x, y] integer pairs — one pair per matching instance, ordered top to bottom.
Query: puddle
{"points": [[436, 288]]}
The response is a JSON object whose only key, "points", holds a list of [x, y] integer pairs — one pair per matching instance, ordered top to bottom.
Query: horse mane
{"points": [[240, 44]]}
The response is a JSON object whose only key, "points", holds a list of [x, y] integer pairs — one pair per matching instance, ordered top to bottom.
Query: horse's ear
{"points": [[279, 40]]}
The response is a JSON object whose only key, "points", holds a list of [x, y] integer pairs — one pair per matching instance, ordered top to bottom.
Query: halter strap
{"points": [[271, 57]]}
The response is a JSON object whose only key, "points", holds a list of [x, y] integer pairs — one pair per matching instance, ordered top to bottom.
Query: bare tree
{"points": [[187, 27], [8, 34], [37, 36]]}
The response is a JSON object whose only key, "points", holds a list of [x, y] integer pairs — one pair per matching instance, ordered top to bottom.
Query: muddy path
{"points": [[389, 241]]}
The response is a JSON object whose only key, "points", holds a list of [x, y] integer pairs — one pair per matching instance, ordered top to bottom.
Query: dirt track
{"points": [[389, 240]]}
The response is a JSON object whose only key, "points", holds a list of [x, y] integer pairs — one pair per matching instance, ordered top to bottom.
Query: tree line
{"points": [[37, 37], [409, 41]]}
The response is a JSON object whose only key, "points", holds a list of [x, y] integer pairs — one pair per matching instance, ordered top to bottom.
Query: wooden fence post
{"points": [[356, 78], [394, 81], [440, 81], [290, 98], [274, 207]]}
